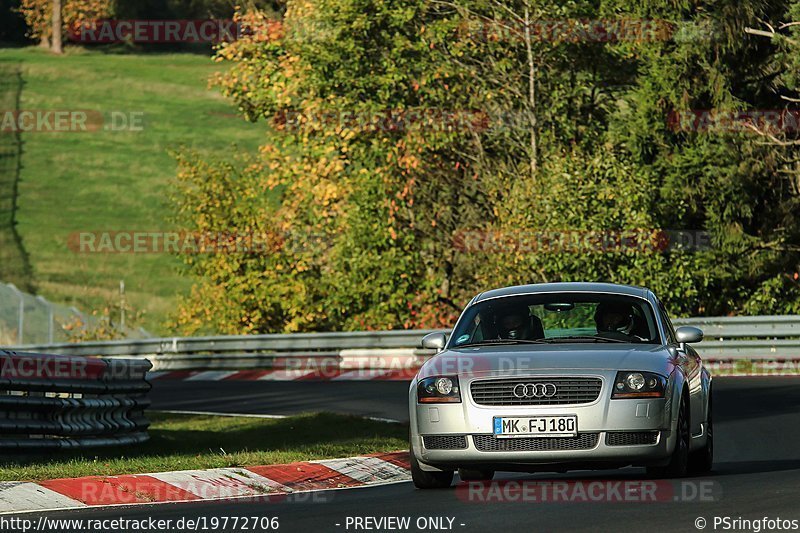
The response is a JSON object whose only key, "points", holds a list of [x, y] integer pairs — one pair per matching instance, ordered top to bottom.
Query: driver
{"points": [[615, 320], [514, 323]]}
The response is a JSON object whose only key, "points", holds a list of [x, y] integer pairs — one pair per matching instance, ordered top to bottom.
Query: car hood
{"points": [[524, 359]]}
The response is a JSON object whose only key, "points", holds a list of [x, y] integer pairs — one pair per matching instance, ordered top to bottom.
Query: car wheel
{"points": [[679, 460], [702, 460], [474, 474], [429, 480]]}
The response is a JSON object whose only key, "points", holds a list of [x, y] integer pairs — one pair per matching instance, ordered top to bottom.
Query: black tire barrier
{"points": [[62, 402]]}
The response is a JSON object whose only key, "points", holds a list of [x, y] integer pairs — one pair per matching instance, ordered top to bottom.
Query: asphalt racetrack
{"points": [[383, 399], [756, 475]]}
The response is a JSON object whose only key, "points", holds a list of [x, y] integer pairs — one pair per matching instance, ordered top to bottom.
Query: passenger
{"points": [[615, 321]]}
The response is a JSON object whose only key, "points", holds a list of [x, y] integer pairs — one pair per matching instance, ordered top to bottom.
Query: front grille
{"points": [[569, 391], [631, 438], [445, 442], [490, 443]]}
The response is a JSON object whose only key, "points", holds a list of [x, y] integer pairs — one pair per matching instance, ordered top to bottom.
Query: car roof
{"points": [[613, 288]]}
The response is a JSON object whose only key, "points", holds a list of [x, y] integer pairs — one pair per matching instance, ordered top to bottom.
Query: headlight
{"points": [[635, 381], [639, 385], [442, 389]]}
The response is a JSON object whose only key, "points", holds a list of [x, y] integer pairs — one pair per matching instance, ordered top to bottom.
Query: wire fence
{"points": [[25, 318]]}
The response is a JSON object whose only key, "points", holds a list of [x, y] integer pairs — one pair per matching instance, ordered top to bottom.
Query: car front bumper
{"points": [[601, 417]]}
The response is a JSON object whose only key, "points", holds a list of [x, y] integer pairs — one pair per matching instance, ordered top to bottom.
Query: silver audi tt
{"points": [[560, 376]]}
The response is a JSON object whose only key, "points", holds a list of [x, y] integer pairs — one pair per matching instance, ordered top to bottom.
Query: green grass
{"points": [[73, 182], [184, 442]]}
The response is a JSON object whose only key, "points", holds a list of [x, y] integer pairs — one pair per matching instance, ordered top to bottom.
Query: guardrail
{"points": [[755, 338], [727, 339], [363, 349], [58, 401]]}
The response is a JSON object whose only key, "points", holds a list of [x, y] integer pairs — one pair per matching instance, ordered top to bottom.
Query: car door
{"points": [[692, 366]]}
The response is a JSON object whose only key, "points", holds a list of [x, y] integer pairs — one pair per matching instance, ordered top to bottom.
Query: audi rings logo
{"points": [[535, 390]]}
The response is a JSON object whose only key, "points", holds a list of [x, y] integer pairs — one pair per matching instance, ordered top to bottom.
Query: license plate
{"points": [[536, 426]]}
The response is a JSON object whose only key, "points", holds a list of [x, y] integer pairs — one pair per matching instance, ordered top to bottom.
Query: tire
{"points": [[679, 460], [702, 460], [474, 474], [429, 480]]}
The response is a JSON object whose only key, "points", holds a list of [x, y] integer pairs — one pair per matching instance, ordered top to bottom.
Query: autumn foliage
{"points": [[38, 14], [394, 131]]}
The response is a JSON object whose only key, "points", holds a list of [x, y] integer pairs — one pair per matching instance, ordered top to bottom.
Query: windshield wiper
{"points": [[585, 338], [500, 341]]}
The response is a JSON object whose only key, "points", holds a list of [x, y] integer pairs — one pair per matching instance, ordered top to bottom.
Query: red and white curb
{"points": [[380, 374], [200, 485]]}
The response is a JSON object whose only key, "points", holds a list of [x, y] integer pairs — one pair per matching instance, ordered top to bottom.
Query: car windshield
{"points": [[558, 317]]}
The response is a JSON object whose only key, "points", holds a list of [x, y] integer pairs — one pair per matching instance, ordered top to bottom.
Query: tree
{"points": [[41, 19], [57, 25], [399, 128], [782, 133]]}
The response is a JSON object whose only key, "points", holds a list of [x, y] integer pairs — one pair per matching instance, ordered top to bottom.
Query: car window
{"points": [[556, 316], [668, 327]]}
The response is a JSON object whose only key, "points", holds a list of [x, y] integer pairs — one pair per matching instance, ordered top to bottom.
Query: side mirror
{"points": [[688, 335], [434, 341]]}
